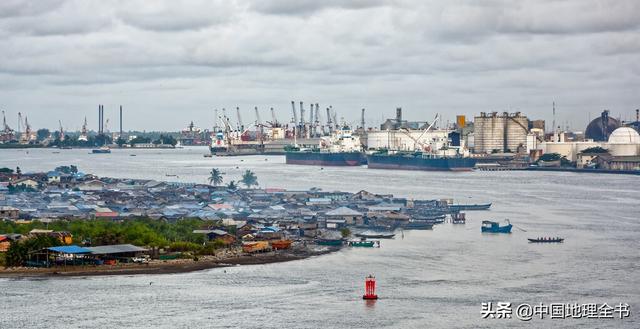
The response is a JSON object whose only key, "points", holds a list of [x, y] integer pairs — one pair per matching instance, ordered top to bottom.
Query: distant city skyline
{"points": [[170, 64]]}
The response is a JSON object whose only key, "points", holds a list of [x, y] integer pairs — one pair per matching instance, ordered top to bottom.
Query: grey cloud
{"points": [[296, 7], [19, 8], [166, 16], [443, 55]]}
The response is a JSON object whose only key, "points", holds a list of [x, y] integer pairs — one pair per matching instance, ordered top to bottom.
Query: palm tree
{"points": [[215, 177], [249, 179], [232, 186]]}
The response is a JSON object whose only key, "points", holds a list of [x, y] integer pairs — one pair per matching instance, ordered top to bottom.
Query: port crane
{"points": [[274, 121], [316, 122], [259, 124], [240, 125], [5, 127], [303, 128], [61, 130], [84, 136], [416, 141]]}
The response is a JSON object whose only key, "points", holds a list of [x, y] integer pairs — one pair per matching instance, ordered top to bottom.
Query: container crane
{"points": [[329, 123]]}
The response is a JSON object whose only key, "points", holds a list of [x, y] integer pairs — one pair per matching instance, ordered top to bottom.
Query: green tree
{"points": [[42, 134], [140, 140], [121, 141], [595, 149], [550, 157], [6, 170], [215, 177], [249, 179], [232, 185], [345, 232], [18, 252]]}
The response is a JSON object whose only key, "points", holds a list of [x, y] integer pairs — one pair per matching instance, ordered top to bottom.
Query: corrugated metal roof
{"points": [[343, 211], [72, 249], [114, 249]]}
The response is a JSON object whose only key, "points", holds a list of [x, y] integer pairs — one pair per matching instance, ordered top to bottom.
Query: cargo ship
{"points": [[228, 145], [342, 148], [419, 161]]}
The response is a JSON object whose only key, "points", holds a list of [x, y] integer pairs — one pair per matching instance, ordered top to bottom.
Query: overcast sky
{"points": [[170, 62]]}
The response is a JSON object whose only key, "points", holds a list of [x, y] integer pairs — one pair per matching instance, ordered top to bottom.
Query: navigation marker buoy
{"points": [[370, 288]]}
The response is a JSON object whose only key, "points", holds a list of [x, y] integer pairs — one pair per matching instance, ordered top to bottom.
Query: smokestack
{"points": [[399, 114], [120, 121], [605, 123]]}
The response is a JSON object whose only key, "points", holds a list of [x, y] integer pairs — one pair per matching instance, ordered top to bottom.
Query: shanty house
{"points": [[350, 216]]}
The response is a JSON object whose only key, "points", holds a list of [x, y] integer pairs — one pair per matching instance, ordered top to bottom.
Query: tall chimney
{"points": [[399, 114], [99, 117], [120, 121], [605, 123]]}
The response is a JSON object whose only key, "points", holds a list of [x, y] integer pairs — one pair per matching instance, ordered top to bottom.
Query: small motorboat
{"points": [[102, 150], [459, 207], [417, 224], [493, 227], [546, 240], [329, 242], [364, 243]]}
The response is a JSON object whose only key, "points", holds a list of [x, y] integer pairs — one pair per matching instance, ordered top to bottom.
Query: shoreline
{"points": [[159, 267]]}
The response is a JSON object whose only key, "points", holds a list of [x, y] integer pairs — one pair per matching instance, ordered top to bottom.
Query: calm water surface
{"points": [[434, 279]]}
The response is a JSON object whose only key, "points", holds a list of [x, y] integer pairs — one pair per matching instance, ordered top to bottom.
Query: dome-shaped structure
{"points": [[600, 128], [624, 135]]}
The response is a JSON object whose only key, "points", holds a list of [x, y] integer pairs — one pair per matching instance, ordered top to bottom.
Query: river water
{"points": [[436, 279]]}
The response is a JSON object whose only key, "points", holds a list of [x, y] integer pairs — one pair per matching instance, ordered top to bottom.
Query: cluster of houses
{"points": [[55, 195], [244, 214]]}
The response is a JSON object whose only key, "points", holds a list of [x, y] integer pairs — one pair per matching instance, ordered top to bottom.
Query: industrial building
{"points": [[399, 123], [599, 129], [495, 133], [622, 142]]}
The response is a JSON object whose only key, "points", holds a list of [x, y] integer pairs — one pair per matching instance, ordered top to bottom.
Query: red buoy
{"points": [[370, 288]]}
